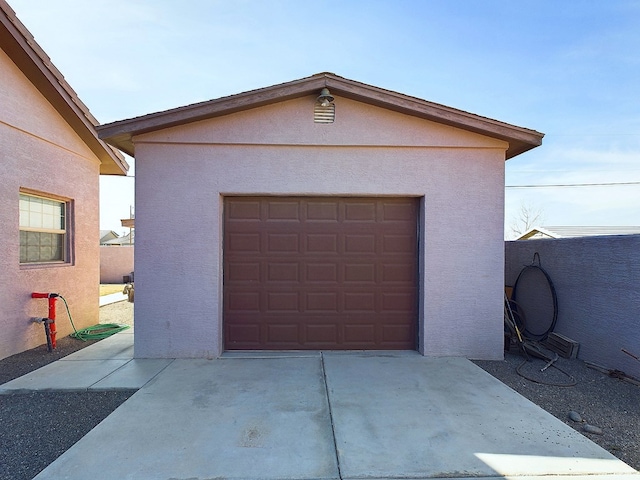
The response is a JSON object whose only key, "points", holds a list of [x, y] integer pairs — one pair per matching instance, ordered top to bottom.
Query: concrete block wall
{"points": [[115, 262], [597, 281]]}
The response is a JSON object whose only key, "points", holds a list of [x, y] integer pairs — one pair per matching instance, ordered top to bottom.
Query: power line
{"points": [[560, 185]]}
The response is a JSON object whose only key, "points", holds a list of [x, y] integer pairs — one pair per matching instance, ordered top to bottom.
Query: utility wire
{"points": [[610, 184]]}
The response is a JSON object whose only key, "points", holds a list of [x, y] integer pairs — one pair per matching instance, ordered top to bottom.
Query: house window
{"points": [[43, 229]]}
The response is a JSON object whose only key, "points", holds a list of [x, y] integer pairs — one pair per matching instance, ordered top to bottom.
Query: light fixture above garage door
{"points": [[325, 109]]}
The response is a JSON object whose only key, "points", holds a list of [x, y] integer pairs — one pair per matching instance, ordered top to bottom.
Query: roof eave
{"points": [[18, 43], [121, 133]]}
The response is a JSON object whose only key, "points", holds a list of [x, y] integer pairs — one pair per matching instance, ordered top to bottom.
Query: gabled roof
{"points": [[18, 43], [119, 134], [572, 232], [107, 233], [128, 239]]}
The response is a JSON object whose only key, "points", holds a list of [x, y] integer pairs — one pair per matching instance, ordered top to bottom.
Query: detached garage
{"points": [[319, 214]]}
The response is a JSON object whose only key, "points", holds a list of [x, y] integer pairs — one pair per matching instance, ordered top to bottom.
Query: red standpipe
{"points": [[50, 323]]}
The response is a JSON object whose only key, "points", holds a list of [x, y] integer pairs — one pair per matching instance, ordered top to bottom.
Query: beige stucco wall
{"points": [[40, 152], [183, 174], [115, 262]]}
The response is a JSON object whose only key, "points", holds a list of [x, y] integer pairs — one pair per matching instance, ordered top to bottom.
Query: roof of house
{"points": [[18, 43], [120, 134], [572, 232], [106, 235], [128, 239]]}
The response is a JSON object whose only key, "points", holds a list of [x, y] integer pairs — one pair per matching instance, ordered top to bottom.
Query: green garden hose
{"points": [[96, 332]]}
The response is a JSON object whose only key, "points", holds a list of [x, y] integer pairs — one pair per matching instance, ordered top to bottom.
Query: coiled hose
{"points": [[96, 332]]}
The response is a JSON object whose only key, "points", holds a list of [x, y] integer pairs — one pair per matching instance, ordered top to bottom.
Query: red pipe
{"points": [[51, 324]]}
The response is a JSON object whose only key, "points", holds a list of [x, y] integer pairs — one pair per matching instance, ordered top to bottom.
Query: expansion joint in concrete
{"points": [[333, 428]]}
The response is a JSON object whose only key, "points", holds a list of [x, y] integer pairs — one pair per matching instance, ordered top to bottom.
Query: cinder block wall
{"points": [[115, 262], [597, 281]]}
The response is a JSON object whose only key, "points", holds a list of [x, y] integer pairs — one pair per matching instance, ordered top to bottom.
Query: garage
{"points": [[320, 213], [311, 273]]}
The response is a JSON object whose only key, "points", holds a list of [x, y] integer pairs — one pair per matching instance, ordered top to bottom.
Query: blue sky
{"points": [[569, 69]]}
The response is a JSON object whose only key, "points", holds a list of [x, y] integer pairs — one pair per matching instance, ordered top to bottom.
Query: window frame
{"points": [[66, 232]]}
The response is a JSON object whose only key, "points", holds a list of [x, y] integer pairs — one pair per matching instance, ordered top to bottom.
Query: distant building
{"points": [[572, 232], [107, 235], [125, 240]]}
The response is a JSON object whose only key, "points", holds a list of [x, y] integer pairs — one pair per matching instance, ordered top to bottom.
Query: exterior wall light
{"points": [[325, 97], [325, 109]]}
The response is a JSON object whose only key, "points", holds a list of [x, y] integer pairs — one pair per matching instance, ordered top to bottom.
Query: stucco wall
{"points": [[40, 152], [183, 174], [115, 262], [596, 281]]}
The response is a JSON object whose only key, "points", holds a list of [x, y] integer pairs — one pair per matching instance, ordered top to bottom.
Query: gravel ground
{"points": [[36, 428]]}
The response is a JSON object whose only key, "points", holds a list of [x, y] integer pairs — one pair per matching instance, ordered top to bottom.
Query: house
{"points": [[51, 160], [322, 213], [573, 232], [107, 235], [125, 240]]}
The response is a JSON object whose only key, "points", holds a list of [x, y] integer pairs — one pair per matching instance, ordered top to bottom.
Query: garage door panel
{"points": [[242, 209], [283, 210], [321, 211], [357, 211], [398, 212], [243, 242], [283, 243], [322, 243], [360, 244], [393, 244], [242, 272], [283, 272], [320, 273], [360, 273], [393, 273], [240, 301], [283, 301], [322, 302], [359, 302], [398, 302], [396, 334], [285, 335], [318, 335], [364, 335], [248, 336]]}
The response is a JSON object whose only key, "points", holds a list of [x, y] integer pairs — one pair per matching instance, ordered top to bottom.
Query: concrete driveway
{"points": [[320, 416]]}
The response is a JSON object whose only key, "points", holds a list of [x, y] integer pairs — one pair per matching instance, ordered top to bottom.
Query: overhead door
{"points": [[305, 273]]}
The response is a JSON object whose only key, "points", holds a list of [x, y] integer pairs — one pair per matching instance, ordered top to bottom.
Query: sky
{"points": [[568, 69]]}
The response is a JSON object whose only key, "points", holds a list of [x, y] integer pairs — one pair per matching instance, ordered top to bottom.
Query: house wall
{"points": [[40, 152], [183, 174], [115, 262], [596, 281]]}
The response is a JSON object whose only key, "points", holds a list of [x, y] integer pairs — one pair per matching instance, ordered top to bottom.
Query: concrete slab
{"points": [[112, 298], [115, 347], [105, 365], [132, 375], [64, 376], [347, 415], [415, 417], [227, 418]]}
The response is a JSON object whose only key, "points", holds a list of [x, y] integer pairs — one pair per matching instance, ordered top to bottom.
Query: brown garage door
{"points": [[306, 273]]}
